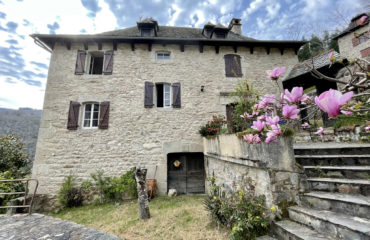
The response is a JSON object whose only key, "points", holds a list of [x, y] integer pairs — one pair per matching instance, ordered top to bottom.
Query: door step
{"points": [[288, 230]]}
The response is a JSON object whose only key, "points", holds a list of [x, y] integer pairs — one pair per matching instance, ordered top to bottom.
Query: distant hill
{"points": [[24, 123]]}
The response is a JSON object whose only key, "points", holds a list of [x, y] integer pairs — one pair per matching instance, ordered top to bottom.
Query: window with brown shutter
{"points": [[355, 41], [80, 62], [108, 62], [233, 65], [148, 95], [74, 110], [104, 115]]}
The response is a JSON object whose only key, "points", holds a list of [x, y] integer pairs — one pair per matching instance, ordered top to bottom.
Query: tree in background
{"points": [[317, 45]]}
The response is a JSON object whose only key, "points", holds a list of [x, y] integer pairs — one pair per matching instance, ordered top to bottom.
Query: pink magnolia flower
{"points": [[362, 20], [331, 57], [275, 73], [295, 95], [269, 98], [305, 98], [332, 100], [261, 105], [290, 112], [346, 112], [247, 115], [262, 117], [272, 121], [258, 125], [305, 125], [367, 128], [276, 129], [320, 132], [249, 138], [256, 138], [270, 138]]}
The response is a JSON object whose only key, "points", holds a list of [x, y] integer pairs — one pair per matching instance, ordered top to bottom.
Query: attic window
{"points": [[146, 32], [220, 35], [163, 55], [95, 65]]}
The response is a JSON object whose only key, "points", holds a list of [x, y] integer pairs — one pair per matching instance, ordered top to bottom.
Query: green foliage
{"points": [[318, 45], [245, 98], [345, 121], [213, 127], [286, 131], [12, 157], [7, 187], [114, 188], [70, 194], [240, 210]]}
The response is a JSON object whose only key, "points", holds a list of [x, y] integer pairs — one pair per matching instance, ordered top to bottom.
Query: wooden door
{"points": [[188, 178]]}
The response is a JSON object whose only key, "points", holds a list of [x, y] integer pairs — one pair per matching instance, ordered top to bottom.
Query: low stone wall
{"points": [[343, 134], [271, 167]]}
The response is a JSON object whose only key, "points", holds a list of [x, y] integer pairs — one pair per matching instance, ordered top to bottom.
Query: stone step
{"points": [[331, 149], [334, 160], [350, 172], [341, 185], [353, 205], [335, 225], [288, 230], [266, 237]]}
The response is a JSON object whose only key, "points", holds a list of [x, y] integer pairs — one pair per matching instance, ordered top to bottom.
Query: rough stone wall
{"points": [[346, 47], [137, 136], [270, 166]]}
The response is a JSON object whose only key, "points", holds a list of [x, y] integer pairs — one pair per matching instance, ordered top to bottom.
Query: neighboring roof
{"points": [[353, 25], [319, 61]]}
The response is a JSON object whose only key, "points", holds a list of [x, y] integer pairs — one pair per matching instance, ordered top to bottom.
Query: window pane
{"points": [[167, 89], [88, 107], [96, 107], [87, 115], [95, 115], [87, 123], [94, 123]]}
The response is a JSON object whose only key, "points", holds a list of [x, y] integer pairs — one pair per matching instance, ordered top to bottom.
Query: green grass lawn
{"points": [[181, 217]]}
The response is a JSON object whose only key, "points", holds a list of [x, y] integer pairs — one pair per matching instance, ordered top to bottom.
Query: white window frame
{"points": [[163, 55], [164, 95], [91, 115]]}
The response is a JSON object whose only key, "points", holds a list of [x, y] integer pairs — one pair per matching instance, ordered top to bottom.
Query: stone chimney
{"points": [[235, 26]]}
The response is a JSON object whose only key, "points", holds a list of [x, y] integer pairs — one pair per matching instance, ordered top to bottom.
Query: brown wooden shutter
{"points": [[355, 41], [80, 62], [108, 62], [233, 65], [148, 92], [176, 94], [74, 110], [104, 115]]}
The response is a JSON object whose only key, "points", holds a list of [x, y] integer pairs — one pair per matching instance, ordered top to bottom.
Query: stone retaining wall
{"points": [[271, 166]]}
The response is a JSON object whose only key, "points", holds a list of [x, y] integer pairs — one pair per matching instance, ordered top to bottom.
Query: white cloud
{"points": [[253, 7], [273, 10], [175, 15], [21, 95]]}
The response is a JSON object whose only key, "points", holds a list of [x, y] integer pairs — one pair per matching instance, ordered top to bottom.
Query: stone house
{"points": [[354, 40], [138, 96]]}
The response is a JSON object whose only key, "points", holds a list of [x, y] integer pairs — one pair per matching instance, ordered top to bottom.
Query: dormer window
{"points": [[148, 27], [208, 29], [146, 32], [219, 32], [220, 35]]}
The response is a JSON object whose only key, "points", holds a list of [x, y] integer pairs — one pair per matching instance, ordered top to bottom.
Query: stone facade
{"points": [[346, 47], [137, 136], [271, 167]]}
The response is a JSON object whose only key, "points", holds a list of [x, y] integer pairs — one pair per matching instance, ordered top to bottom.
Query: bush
{"points": [[245, 99], [213, 127], [12, 157], [7, 187], [114, 188], [70, 195], [240, 210]]}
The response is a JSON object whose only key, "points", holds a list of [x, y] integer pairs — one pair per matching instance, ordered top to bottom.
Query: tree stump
{"points": [[140, 177]]}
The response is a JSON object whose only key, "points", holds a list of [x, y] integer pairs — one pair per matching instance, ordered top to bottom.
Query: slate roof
{"points": [[353, 26], [172, 32], [319, 61]]}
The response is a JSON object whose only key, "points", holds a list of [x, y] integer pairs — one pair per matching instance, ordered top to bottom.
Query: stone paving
{"points": [[41, 227]]}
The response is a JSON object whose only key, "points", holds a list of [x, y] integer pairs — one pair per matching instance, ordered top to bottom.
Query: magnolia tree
{"points": [[273, 114]]}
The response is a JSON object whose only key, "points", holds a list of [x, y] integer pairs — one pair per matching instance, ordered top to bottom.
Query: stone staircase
{"points": [[338, 204]]}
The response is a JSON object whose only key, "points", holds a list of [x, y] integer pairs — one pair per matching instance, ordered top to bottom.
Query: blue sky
{"points": [[24, 65]]}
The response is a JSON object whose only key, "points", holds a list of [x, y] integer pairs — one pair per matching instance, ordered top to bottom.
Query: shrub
{"points": [[213, 127], [7, 187], [114, 188], [70, 195], [240, 210]]}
